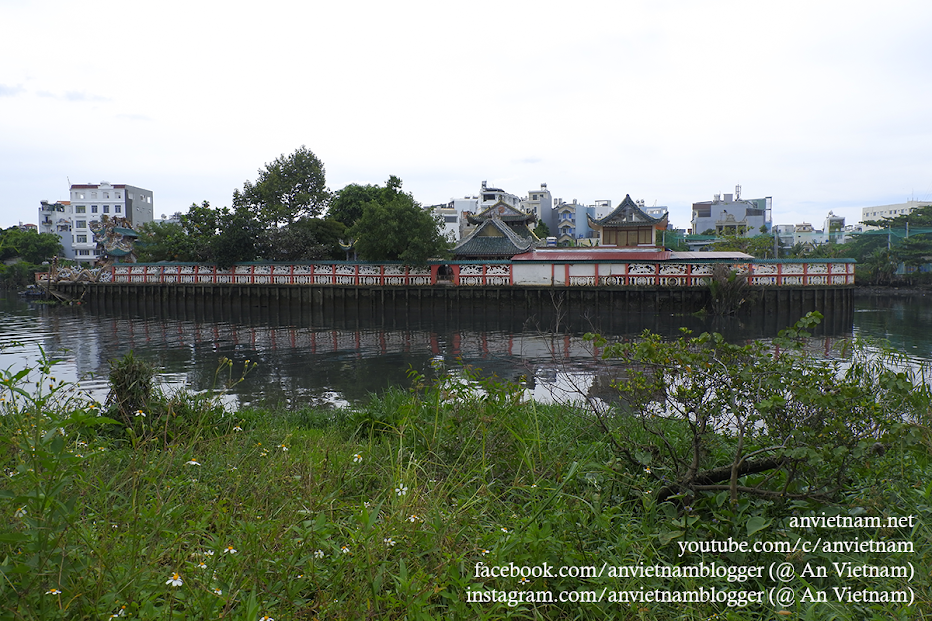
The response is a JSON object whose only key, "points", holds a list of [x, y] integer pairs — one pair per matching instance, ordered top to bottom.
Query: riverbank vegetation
{"points": [[21, 255], [157, 505]]}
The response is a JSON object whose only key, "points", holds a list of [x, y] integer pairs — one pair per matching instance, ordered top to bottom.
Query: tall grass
{"points": [[381, 512]]}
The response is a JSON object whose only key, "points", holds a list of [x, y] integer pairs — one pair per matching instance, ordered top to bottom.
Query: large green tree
{"points": [[291, 187], [348, 203], [394, 227], [306, 239], [29, 246]]}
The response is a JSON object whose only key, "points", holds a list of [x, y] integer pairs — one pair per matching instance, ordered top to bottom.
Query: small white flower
{"points": [[140, 413], [237, 428], [283, 447], [357, 458], [192, 462], [401, 490], [21, 512], [413, 518], [504, 530], [388, 541], [344, 549], [230, 550], [484, 552], [209, 553], [319, 554], [202, 565], [175, 580], [217, 591], [53, 592], [119, 613], [266, 618]]}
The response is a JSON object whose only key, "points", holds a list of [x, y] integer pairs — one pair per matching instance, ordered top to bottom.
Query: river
{"points": [[344, 361]]}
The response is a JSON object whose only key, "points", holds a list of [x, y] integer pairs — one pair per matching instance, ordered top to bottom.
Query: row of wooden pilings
{"points": [[596, 306]]}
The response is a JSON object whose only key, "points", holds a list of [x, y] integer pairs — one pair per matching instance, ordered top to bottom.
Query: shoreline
{"points": [[894, 291]]}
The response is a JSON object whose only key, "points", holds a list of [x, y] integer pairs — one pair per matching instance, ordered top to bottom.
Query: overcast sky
{"points": [[820, 104]]}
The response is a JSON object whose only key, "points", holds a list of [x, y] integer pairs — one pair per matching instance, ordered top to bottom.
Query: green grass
{"points": [[383, 512]]}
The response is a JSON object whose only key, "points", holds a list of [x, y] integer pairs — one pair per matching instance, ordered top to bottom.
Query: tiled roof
{"points": [[502, 211], [627, 214], [508, 244]]}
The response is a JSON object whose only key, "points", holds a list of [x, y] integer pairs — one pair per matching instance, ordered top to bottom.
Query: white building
{"points": [[539, 202], [890, 211], [732, 215], [71, 219], [833, 232]]}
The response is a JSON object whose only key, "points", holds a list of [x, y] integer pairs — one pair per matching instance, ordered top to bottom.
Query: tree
{"points": [[289, 188], [348, 204], [395, 228], [542, 230], [239, 237], [306, 239], [162, 241], [29, 246], [760, 246], [771, 421]]}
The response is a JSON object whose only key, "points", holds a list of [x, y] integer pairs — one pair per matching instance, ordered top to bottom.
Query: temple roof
{"points": [[504, 212], [626, 215], [494, 238]]}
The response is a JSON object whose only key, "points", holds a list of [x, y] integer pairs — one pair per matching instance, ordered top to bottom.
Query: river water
{"points": [[344, 361]]}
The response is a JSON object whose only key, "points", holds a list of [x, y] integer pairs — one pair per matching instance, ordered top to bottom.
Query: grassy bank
{"points": [[170, 507]]}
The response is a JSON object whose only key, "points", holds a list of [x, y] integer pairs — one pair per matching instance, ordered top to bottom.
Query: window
{"points": [[93, 194], [106, 194], [118, 195], [93, 208], [106, 208], [79, 209], [117, 209], [449, 218], [80, 224], [81, 239], [84, 253]]}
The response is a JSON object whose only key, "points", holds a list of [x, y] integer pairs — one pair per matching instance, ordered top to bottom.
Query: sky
{"points": [[821, 104]]}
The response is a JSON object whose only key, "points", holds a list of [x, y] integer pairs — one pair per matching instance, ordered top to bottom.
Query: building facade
{"points": [[880, 212], [733, 215], [71, 220]]}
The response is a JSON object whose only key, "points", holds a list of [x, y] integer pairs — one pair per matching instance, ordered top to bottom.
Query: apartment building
{"points": [[71, 219]]}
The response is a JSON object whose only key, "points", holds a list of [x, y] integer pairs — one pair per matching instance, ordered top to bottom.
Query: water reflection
{"points": [[341, 359]]}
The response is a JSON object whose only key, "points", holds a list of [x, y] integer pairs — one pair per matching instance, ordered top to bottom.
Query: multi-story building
{"points": [[538, 202], [890, 211], [733, 215], [71, 219], [807, 236]]}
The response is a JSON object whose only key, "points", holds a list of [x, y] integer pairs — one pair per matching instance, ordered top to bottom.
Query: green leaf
{"points": [[757, 524]]}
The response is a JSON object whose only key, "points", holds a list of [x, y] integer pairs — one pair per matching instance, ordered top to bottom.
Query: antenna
{"points": [[737, 192]]}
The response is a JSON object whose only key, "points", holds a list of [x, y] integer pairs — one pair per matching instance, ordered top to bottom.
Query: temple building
{"points": [[627, 226], [498, 233]]}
